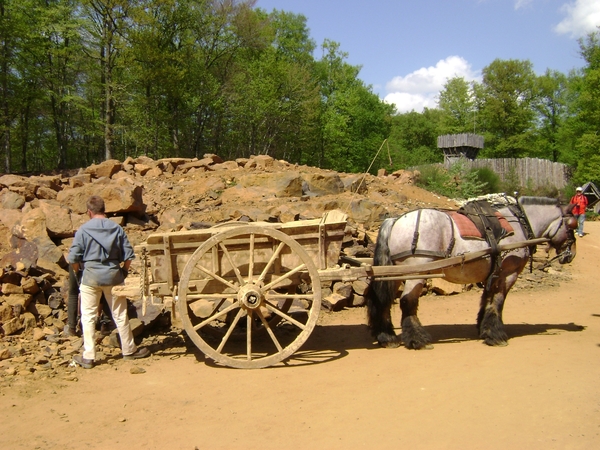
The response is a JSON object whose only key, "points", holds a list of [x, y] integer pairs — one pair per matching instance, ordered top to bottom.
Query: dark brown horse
{"points": [[427, 235]]}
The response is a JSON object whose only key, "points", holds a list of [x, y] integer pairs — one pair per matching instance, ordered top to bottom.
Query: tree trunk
{"points": [[5, 121]]}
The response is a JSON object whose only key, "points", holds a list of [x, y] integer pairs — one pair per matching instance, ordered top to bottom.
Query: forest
{"points": [[83, 81]]}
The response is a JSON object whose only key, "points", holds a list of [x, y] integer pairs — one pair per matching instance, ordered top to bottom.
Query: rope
{"points": [[369, 168]]}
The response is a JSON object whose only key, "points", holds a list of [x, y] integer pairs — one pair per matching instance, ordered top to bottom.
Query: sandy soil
{"points": [[342, 391]]}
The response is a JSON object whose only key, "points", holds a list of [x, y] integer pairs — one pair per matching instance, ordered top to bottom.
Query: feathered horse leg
{"points": [[382, 293], [489, 318], [413, 335]]}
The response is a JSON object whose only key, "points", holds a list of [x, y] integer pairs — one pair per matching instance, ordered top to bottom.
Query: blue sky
{"points": [[409, 48]]}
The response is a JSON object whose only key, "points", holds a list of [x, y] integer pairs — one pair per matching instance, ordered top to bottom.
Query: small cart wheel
{"points": [[235, 301]]}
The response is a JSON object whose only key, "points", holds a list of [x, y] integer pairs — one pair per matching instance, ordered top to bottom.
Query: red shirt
{"points": [[580, 201]]}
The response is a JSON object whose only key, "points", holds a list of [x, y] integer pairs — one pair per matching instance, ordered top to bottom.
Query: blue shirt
{"points": [[101, 245]]}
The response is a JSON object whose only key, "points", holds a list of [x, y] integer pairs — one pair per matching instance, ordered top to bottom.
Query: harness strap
{"points": [[518, 212], [413, 246], [414, 251], [418, 252]]}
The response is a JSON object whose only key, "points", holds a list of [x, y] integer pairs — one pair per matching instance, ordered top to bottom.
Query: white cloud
{"points": [[522, 3], [582, 17], [420, 89]]}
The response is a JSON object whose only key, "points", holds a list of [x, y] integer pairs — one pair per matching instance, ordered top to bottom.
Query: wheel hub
{"points": [[251, 296]]}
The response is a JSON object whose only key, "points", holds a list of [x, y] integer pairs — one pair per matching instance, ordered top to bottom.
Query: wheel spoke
{"points": [[251, 260], [271, 261], [233, 265], [215, 276], [285, 276], [278, 296], [191, 297], [215, 308], [216, 316], [290, 319], [230, 330], [269, 330], [249, 335]]}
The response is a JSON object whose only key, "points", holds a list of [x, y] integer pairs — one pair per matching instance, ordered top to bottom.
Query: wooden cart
{"points": [[249, 294]]}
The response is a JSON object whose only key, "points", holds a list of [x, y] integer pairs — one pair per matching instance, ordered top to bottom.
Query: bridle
{"points": [[570, 223]]}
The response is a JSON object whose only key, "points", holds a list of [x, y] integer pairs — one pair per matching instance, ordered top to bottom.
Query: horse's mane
{"points": [[501, 199], [495, 200], [526, 200]]}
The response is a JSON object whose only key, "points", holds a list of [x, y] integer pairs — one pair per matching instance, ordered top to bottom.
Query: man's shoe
{"points": [[105, 329], [69, 332], [141, 353], [85, 363]]}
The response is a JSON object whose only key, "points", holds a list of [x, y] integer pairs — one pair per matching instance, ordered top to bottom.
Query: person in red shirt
{"points": [[580, 201]]}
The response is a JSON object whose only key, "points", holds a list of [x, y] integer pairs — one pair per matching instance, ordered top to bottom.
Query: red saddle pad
{"points": [[468, 230]]}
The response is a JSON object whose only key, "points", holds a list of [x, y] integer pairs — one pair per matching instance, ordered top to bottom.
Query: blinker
{"points": [[572, 223]]}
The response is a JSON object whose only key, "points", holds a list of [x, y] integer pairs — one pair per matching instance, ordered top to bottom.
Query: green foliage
{"points": [[109, 79], [83, 80], [506, 96], [457, 102], [551, 107], [353, 120], [413, 140], [489, 180], [456, 182]]}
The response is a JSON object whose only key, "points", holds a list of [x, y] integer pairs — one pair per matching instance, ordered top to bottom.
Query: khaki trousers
{"points": [[90, 298]]}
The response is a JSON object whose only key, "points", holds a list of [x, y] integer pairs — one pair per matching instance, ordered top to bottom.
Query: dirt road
{"points": [[340, 391]]}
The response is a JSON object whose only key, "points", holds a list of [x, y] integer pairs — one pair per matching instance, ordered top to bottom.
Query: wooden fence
{"points": [[532, 172]]}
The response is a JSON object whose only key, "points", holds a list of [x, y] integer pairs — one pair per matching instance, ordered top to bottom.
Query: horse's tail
{"points": [[382, 293]]}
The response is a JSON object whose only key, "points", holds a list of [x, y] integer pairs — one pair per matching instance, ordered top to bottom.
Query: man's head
{"points": [[579, 190], [95, 205]]}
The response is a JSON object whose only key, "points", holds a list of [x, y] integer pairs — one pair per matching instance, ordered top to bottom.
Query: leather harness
{"points": [[482, 214]]}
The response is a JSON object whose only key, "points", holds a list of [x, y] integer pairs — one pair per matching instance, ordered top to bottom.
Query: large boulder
{"points": [[105, 169], [280, 184], [323, 184], [21, 185], [120, 196], [11, 200], [58, 219], [32, 228]]}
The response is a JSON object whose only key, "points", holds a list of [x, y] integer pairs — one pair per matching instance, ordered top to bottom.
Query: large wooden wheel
{"points": [[249, 296]]}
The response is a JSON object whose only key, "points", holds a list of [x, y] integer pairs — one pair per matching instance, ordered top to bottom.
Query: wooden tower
{"points": [[457, 146]]}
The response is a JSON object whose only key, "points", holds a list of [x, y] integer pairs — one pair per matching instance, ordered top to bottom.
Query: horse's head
{"points": [[563, 239]]}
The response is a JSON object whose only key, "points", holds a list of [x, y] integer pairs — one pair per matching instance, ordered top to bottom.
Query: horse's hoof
{"points": [[388, 340], [493, 343], [390, 344], [419, 346]]}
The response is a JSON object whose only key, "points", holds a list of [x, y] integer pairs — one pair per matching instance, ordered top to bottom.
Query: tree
{"points": [[107, 24], [9, 31], [59, 51], [506, 95], [458, 105], [551, 108], [354, 121], [585, 125], [413, 138]]}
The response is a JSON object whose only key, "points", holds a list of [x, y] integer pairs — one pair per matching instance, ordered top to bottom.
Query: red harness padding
{"points": [[468, 230]]}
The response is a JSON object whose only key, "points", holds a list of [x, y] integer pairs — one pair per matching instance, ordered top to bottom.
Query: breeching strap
{"points": [[414, 251]]}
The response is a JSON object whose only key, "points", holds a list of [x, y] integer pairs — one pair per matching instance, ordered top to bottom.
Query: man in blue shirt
{"points": [[102, 245]]}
